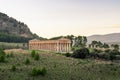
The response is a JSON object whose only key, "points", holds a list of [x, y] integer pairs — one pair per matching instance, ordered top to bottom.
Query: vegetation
{"points": [[15, 31], [13, 38], [98, 44], [6, 45], [33, 52], [81, 53], [67, 54], [35, 55], [2, 56], [27, 61], [58, 67], [13, 68], [36, 72]]}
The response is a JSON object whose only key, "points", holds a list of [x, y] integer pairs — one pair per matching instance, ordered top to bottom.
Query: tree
{"points": [[71, 37], [84, 40], [80, 41], [93, 44], [99, 44], [105, 45], [115, 46], [81, 53]]}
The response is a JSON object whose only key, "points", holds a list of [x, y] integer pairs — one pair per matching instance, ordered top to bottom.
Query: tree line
{"points": [[13, 39], [96, 49]]}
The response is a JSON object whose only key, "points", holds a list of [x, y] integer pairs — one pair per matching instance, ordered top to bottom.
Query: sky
{"points": [[50, 18]]}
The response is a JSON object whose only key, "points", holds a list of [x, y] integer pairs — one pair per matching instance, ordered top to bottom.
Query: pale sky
{"points": [[50, 18]]}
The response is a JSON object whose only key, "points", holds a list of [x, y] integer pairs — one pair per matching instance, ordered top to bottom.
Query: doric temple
{"points": [[60, 45]]}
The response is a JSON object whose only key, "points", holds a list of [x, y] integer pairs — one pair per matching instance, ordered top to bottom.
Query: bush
{"points": [[114, 52], [33, 53], [81, 53], [67, 54], [2, 55], [94, 55], [105, 56], [36, 57], [117, 57], [2, 58], [27, 61], [13, 68], [43, 71], [36, 72]]}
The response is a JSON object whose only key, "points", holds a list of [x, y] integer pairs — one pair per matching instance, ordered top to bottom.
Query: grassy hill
{"points": [[58, 67]]}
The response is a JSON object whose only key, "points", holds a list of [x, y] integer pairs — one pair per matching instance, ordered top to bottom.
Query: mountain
{"points": [[11, 29], [108, 38]]}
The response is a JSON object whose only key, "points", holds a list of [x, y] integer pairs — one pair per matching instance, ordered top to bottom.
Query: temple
{"points": [[60, 45]]}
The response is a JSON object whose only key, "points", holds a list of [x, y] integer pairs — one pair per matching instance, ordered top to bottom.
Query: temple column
{"points": [[60, 45], [65, 47], [69, 49]]}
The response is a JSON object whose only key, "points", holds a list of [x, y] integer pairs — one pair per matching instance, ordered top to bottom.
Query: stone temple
{"points": [[60, 45]]}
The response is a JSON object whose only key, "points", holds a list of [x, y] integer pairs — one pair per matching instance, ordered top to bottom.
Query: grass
{"points": [[7, 45], [58, 67]]}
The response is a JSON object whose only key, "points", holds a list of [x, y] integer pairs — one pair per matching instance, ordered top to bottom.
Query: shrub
{"points": [[114, 52], [33, 53], [81, 53], [67, 54], [2, 55], [94, 55], [105, 56], [36, 57], [117, 57], [2, 58], [27, 61], [13, 68], [43, 71], [36, 72]]}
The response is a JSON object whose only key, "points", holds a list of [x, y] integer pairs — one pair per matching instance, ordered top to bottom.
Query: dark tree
{"points": [[81, 53]]}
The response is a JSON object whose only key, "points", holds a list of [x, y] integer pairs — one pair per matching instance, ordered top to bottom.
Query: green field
{"points": [[6, 45], [58, 67]]}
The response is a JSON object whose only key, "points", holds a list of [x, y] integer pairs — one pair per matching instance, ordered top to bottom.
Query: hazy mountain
{"points": [[108, 38]]}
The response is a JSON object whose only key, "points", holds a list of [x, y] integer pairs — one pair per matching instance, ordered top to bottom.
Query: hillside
{"points": [[11, 29], [108, 38], [58, 67]]}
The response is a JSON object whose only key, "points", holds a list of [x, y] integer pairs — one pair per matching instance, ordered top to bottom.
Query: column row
{"points": [[59, 47]]}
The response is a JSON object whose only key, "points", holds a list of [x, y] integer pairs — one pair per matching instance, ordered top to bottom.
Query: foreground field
{"points": [[58, 67]]}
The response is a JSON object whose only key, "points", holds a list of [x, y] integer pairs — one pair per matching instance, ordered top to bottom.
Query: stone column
{"points": [[69, 49]]}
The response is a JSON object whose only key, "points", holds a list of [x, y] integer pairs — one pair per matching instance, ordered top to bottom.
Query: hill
{"points": [[11, 28], [108, 38], [58, 67]]}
